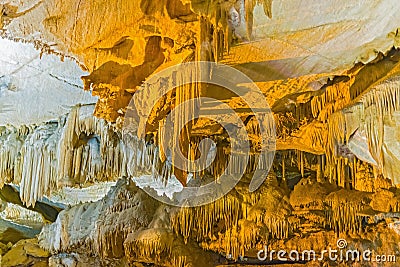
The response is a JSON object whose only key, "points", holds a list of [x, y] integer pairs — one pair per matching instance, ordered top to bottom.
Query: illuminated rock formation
{"points": [[68, 73]]}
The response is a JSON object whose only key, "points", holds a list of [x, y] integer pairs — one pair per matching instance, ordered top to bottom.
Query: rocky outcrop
{"points": [[329, 71], [25, 253]]}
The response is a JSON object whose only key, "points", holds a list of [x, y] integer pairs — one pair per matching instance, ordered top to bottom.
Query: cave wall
{"points": [[328, 70]]}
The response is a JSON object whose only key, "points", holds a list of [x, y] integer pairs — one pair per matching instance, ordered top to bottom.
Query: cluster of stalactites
{"points": [[249, 6], [214, 35], [188, 95], [334, 98], [366, 115], [88, 149], [160, 152], [156, 154], [27, 157], [42, 158], [145, 158], [36, 166], [343, 172], [343, 216], [198, 223], [229, 224], [154, 245]]}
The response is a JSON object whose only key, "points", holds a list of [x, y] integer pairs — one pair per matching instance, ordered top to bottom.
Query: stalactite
{"points": [[267, 5], [249, 8], [215, 33], [187, 94], [11, 141], [88, 149], [74, 150], [283, 167], [319, 169], [38, 171], [234, 221]]}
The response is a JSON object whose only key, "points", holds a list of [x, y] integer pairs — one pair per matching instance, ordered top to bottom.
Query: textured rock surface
{"points": [[329, 71], [36, 87], [25, 253]]}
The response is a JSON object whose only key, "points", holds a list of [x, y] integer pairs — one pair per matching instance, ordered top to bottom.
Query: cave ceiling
{"points": [[328, 70]]}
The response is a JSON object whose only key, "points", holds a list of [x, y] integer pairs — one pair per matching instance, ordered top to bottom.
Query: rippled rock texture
{"points": [[329, 70]]}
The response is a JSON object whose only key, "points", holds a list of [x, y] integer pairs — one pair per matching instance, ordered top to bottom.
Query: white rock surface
{"points": [[312, 37], [34, 90]]}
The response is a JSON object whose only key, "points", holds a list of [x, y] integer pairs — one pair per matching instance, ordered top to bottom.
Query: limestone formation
{"points": [[82, 148]]}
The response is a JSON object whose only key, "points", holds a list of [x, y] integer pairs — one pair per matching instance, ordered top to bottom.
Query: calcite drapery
{"points": [[76, 149]]}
